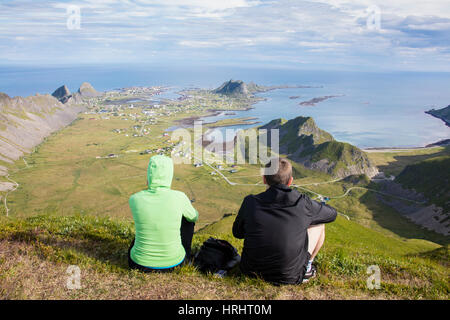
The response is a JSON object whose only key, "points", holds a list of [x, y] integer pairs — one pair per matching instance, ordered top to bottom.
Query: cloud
{"points": [[300, 31]]}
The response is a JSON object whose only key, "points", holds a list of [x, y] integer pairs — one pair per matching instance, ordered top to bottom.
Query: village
{"points": [[139, 109]]}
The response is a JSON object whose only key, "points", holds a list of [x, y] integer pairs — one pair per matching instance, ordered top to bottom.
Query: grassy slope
{"points": [[392, 163], [430, 164], [430, 177], [36, 251]]}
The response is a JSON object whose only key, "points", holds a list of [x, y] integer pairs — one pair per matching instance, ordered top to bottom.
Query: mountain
{"points": [[234, 88], [240, 89], [87, 90], [62, 94], [443, 114], [25, 122], [304, 142]]}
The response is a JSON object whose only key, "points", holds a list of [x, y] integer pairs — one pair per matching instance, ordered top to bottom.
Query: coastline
{"points": [[189, 121], [438, 144]]}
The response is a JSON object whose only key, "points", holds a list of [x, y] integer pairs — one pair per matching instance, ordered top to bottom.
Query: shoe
{"points": [[309, 274]]}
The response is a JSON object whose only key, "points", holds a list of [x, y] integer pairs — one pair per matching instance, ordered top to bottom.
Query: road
{"points": [[320, 196]]}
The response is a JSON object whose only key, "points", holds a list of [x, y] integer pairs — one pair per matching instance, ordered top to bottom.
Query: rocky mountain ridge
{"points": [[25, 122]]}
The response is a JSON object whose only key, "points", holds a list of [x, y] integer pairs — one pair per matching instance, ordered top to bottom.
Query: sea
{"points": [[369, 110]]}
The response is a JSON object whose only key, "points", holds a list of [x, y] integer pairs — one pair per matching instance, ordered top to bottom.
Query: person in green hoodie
{"points": [[164, 221]]}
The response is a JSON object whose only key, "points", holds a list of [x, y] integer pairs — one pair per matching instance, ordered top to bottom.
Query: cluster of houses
{"points": [[125, 92], [161, 150], [219, 167]]}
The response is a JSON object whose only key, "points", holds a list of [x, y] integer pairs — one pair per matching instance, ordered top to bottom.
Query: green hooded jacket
{"points": [[157, 214]]}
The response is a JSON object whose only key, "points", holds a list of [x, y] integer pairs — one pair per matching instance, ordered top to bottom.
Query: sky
{"points": [[407, 35]]}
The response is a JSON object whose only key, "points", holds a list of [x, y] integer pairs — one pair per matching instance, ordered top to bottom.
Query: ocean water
{"points": [[372, 110]]}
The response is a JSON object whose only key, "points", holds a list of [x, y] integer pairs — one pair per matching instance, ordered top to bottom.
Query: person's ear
{"points": [[291, 179], [264, 180]]}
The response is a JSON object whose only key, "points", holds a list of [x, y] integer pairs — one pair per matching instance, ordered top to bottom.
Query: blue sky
{"points": [[316, 34]]}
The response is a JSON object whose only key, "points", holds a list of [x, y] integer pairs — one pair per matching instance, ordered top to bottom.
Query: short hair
{"points": [[283, 174]]}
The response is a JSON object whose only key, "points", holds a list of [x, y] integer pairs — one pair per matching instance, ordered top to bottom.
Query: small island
{"points": [[315, 101]]}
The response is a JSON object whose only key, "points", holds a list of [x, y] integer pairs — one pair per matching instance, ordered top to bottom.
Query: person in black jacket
{"points": [[283, 229]]}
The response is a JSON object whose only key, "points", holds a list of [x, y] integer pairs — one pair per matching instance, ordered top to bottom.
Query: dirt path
{"points": [[5, 199]]}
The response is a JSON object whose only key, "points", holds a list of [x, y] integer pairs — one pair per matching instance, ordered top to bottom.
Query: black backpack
{"points": [[215, 255]]}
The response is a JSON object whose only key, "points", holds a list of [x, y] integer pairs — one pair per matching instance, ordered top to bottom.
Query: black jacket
{"points": [[274, 227]]}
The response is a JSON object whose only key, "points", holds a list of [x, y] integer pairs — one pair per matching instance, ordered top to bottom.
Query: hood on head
{"points": [[160, 172]]}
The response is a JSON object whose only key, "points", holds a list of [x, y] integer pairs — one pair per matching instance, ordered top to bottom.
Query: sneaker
{"points": [[309, 274]]}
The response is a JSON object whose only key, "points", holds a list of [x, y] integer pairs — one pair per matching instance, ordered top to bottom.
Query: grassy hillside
{"points": [[393, 162], [430, 177], [71, 207], [36, 251]]}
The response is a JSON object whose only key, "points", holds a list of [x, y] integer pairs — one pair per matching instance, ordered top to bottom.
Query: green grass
{"points": [[334, 151], [392, 163], [430, 177], [98, 246]]}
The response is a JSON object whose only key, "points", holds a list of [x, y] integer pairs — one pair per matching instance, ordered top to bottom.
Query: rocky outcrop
{"points": [[86, 90], [62, 94]]}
